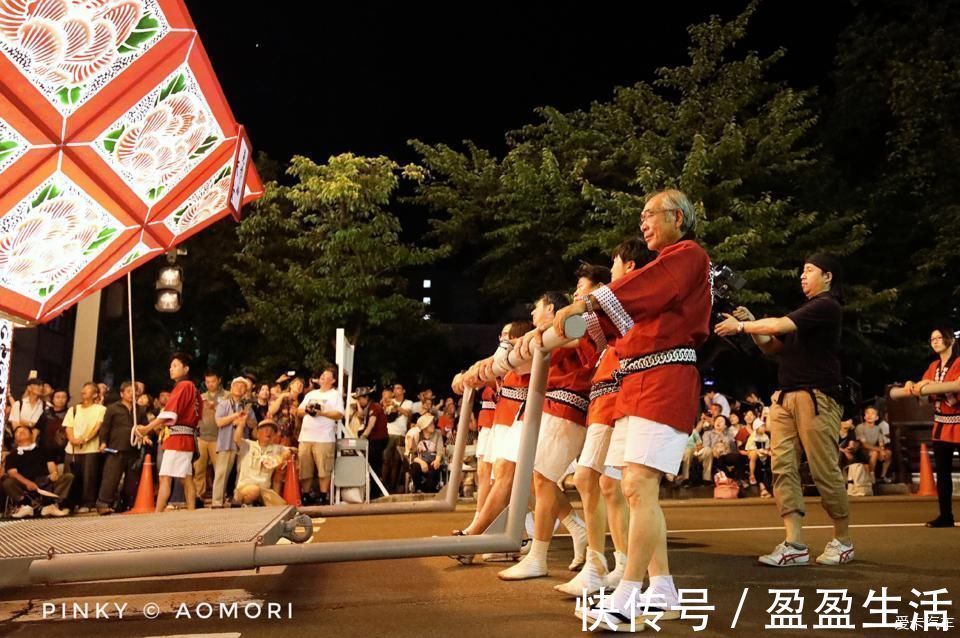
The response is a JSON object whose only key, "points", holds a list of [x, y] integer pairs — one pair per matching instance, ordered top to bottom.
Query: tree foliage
{"points": [[572, 185], [324, 253]]}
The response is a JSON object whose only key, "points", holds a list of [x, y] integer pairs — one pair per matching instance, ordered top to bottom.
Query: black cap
{"points": [[829, 263]]}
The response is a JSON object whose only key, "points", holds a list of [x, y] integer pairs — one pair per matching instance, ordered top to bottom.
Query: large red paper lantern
{"points": [[116, 144]]}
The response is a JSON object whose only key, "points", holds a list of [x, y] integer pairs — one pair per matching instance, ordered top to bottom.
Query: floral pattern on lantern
{"points": [[70, 49], [163, 137], [12, 145], [207, 201], [50, 236]]}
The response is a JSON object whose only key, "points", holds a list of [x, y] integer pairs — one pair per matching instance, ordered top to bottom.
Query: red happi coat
{"points": [[664, 305], [571, 369], [184, 401], [488, 406], [603, 408], [946, 409], [508, 410]]}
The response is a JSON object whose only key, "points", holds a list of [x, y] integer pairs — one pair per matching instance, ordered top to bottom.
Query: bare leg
{"points": [[483, 482], [189, 492], [163, 493], [498, 498], [550, 502], [594, 512], [618, 514], [648, 534]]}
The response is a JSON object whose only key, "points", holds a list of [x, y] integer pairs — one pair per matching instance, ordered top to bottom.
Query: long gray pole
{"points": [[63, 568]]}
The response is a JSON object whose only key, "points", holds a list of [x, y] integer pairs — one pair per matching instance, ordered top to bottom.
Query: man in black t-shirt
{"points": [[806, 409], [29, 469]]}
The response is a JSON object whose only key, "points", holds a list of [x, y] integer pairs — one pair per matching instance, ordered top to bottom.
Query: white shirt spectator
{"points": [[719, 399], [23, 410], [398, 427], [320, 429]]}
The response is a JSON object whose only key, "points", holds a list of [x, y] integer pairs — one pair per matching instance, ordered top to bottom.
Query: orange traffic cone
{"points": [[291, 485], [927, 485], [145, 503]]}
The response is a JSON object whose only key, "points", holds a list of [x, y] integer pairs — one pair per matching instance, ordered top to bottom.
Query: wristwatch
{"points": [[587, 302]]}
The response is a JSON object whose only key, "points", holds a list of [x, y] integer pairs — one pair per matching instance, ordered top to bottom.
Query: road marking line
{"points": [[771, 529], [233, 635]]}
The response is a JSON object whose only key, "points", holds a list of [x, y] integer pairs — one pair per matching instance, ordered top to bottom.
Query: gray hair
{"points": [[677, 200]]}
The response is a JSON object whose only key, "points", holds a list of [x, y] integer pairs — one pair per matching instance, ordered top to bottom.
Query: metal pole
{"points": [[927, 390], [135, 440]]}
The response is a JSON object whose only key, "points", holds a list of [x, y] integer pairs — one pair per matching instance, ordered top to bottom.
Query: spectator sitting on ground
{"points": [[752, 402], [750, 419], [740, 433], [871, 438], [722, 446], [696, 450], [758, 451], [851, 451], [428, 455], [29, 469], [257, 481]]}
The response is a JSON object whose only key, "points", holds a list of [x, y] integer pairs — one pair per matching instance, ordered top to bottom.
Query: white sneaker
{"points": [[53, 510], [82, 510], [23, 512], [836, 553], [784, 555], [591, 579]]}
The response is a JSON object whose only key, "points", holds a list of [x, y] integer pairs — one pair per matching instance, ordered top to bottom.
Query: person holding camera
{"points": [[806, 409], [320, 410], [398, 410], [232, 412]]}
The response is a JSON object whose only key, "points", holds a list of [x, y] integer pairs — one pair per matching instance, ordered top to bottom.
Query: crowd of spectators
{"points": [[732, 436], [85, 455]]}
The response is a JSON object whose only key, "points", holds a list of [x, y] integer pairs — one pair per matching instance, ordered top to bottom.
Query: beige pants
{"points": [[796, 423], [208, 456], [316, 457], [706, 461], [221, 472], [249, 494]]}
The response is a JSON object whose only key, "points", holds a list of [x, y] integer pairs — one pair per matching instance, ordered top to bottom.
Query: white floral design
{"points": [[63, 45], [162, 138], [210, 199], [51, 235]]}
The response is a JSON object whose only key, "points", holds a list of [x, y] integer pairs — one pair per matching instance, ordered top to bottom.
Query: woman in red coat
{"points": [[946, 417]]}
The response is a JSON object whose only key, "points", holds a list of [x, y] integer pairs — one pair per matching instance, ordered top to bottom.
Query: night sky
{"points": [[325, 78]]}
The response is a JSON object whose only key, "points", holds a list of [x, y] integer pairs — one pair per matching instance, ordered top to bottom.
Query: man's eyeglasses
{"points": [[647, 215]]}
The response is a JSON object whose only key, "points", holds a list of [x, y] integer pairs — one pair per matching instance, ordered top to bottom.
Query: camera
{"points": [[726, 284], [314, 409]]}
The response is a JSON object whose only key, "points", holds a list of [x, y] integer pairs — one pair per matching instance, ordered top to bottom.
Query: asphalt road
{"points": [[713, 546]]}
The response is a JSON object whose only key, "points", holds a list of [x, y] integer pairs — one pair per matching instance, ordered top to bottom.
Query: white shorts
{"points": [[505, 442], [645, 442], [483, 444], [558, 445], [595, 447], [176, 463]]}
